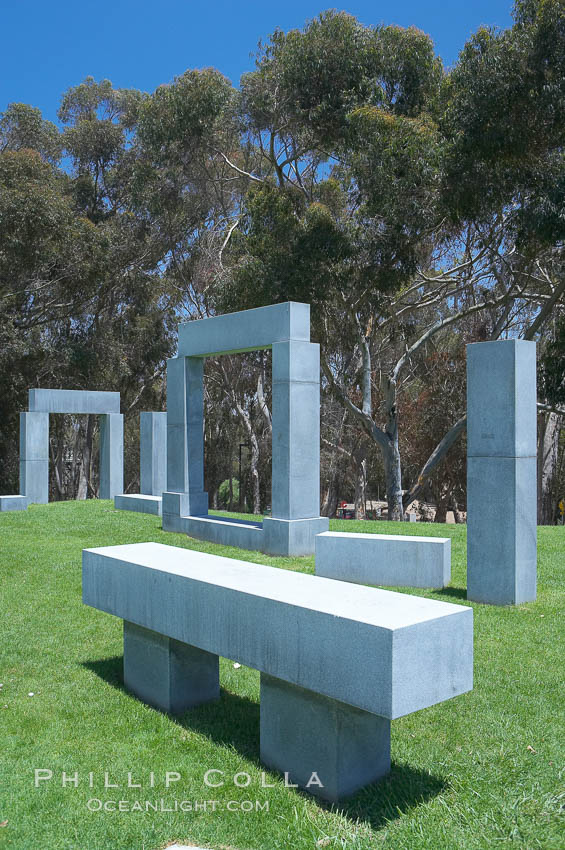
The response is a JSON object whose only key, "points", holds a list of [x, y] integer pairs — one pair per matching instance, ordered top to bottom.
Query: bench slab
{"points": [[395, 560], [385, 652]]}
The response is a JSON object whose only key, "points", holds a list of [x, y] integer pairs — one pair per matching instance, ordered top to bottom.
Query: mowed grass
{"points": [[480, 771]]}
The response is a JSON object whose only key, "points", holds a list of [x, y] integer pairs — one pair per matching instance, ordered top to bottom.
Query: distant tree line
{"points": [[415, 208]]}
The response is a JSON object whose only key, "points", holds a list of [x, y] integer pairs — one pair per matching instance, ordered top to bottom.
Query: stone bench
{"points": [[13, 503], [395, 560], [338, 662]]}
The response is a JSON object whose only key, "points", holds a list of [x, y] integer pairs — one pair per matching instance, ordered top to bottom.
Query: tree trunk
{"points": [[548, 446], [254, 459], [84, 469], [393, 477], [255, 481], [360, 482], [230, 498], [442, 502], [329, 504], [457, 515]]}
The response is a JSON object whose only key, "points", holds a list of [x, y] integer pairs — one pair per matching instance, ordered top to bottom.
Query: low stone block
{"points": [[138, 502], [13, 503], [177, 506], [292, 536], [384, 559], [166, 674], [326, 747]]}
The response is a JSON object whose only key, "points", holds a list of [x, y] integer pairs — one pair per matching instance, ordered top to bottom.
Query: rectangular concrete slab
{"points": [[247, 330], [501, 399], [74, 401], [138, 502], [13, 503], [501, 530], [395, 560], [384, 652]]}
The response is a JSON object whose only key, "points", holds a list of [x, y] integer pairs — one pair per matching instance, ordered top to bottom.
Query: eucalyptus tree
{"points": [[504, 118], [22, 127], [360, 157], [342, 180]]}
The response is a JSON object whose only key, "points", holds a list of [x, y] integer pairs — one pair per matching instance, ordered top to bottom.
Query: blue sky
{"points": [[49, 46]]}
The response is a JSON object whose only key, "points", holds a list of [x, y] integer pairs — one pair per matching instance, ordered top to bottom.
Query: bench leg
{"points": [[167, 674], [315, 739]]}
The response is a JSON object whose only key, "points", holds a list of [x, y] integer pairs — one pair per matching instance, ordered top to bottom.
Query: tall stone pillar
{"points": [[153, 453], [111, 455], [34, 456], [501, 472], [185, 494], [295, 516]]}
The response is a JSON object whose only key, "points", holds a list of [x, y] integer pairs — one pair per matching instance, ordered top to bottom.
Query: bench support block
{"points": [[167, 674], [313, 737]]}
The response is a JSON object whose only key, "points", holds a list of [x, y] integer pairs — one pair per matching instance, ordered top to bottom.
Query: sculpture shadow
{"points": [[453, 592], [233, 720], [382, 802]]}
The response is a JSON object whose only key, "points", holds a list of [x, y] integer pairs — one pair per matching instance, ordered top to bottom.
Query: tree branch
{"points": [[240, 170], [434, 460]]}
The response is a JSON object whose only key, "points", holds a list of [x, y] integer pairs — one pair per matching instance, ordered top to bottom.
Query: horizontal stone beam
{"points": [[248, 330], [73, 401], [395, 560], [384, 652]]}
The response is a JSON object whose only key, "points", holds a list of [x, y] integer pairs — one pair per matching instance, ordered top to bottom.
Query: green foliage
{"points": [[408, 71], [315, 76], [185, 113], [504, 115], [22, 126], [291, 249], [47, 251], [552, 367], [224, 493], [478, 769]]}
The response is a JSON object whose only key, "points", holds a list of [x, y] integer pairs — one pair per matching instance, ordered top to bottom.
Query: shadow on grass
{"points": [[453, 592], [233, 720], [403, 789]]}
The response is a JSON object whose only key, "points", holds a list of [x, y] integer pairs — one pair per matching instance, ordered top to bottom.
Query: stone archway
{"points": [[34, 439]]}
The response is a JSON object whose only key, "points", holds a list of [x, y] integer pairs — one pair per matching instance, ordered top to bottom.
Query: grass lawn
{"points": [[480, 771]]}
